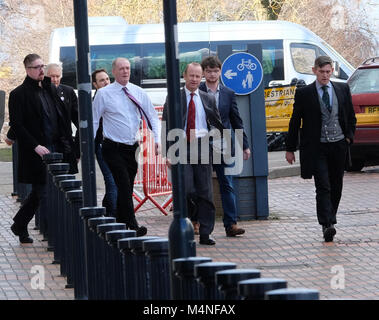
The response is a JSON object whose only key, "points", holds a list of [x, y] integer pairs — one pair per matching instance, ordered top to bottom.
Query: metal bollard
{"points": [[54, 169], [65, 186], [75, 198], [58, 209], [86, 214], [95, 255], [127, 262], [104, 263], [158, 267], [184, 269], [205, 272], [139, 277], [115, 281], [227, 281], [254, 289], [292, 294]]}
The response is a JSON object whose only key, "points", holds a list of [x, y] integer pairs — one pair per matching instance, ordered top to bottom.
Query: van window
{"points": [[304, 55], [154, 60]]}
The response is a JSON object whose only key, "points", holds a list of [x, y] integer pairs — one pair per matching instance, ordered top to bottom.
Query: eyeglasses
{"points": [[38, 67]]}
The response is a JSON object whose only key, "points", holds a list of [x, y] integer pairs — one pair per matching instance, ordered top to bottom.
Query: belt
{"points": [[120, 144]]}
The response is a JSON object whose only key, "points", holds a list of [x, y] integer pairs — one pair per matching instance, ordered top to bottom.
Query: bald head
{"points": [[121, 70]]}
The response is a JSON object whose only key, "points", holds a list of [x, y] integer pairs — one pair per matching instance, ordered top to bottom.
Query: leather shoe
{"points": [[196, 227], [141, 231], [234, 231], [329, 233], [25, 239], [207, 241]]}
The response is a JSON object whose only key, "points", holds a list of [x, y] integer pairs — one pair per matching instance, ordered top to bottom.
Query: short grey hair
{"points": [[114, 62], [54, 65]]}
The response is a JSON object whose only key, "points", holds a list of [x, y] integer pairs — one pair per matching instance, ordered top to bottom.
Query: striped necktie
{"points": [[326, 98], [141, 111]]}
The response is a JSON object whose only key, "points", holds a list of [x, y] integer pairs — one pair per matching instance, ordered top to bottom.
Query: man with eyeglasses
{"points": [[40, 125]]}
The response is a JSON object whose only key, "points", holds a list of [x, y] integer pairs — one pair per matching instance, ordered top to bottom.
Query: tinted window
{"points": [[364, 81]]}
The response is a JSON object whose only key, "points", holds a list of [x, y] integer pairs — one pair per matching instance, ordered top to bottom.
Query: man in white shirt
{"points": [[122, 105], [200, 115]]}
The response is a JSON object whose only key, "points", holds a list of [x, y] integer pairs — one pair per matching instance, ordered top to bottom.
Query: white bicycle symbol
{"points": [[246, 64]]}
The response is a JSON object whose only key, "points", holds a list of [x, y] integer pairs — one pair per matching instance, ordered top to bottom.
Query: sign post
{"points": [[243, 73]]}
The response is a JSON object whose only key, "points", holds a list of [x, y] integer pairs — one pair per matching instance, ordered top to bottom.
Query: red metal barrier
{"points": [[152, 176]]}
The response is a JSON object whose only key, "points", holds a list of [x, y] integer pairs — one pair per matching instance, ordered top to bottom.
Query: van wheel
{"points": [[356, 166]]}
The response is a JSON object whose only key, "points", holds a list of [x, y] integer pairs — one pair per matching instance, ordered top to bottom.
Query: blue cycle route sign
{"points": [[242, 72]]}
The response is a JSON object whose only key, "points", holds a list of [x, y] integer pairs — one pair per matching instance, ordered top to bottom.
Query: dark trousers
{"points": [[120, 159], [328, 177], [199, 193], [110, 197], [30, 206]]}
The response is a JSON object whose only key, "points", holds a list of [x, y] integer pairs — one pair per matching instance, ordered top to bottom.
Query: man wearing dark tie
{"points": [[122, 105], [323, 113], [200, 115]]}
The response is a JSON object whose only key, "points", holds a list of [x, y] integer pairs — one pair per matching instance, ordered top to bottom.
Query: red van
{"points": [[364, 86]]}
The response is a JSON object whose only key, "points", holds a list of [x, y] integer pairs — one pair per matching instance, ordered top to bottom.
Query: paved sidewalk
{"points": [[288, 245]]}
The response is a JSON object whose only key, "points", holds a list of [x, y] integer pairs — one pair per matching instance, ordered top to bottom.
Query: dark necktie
{"points": [[326, 99], [141, 111], [191, 118]]}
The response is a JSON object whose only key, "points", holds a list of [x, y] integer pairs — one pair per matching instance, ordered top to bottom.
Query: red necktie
{"points": [[191, 118]]}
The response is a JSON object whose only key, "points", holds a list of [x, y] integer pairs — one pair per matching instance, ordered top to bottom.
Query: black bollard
{"points": [[54, 169], [75, 198], [58, 207], [42, 213], [86, 214], [63, 243], [95, 255], [104, 262], [158, 267], [128, 268], [184, 270], [205, 272], [140, 274], [115, 279], [227, 281], [254, 289], [292, 294]]}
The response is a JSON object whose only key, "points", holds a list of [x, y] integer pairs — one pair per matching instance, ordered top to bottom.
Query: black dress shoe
{"points": [[141, 231], [329, 233], [25, 239], [207, 241]]}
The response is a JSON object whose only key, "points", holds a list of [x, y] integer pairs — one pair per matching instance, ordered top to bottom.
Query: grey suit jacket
{"points": [[210, 108]]}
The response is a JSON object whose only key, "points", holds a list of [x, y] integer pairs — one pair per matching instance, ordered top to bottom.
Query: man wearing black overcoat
{"points": [[323, 114], [41, 125]]}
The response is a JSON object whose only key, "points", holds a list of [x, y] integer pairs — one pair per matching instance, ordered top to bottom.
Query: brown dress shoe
{"points": [[196, 227], [234, 231]]}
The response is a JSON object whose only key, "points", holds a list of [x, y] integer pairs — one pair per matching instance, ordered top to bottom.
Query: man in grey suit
{"points": [[325, 113], [200, 115]]}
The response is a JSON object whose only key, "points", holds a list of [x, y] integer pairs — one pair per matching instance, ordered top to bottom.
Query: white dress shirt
{"points": [[200, 117], [121, 118]]}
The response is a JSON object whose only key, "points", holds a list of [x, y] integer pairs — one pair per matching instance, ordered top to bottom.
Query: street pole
{"points": [[83, 74], [87, 148], [180, 235]]}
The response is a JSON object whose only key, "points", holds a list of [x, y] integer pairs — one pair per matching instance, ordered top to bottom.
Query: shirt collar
{"points": [[119, 85], [319, 85], [217, 90], [189, 92]]}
